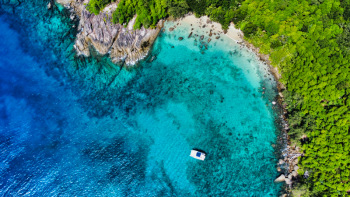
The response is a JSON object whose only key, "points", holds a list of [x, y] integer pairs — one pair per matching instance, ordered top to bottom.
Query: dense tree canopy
{"points": [[95, 6], [149, 12], [309, 41]]}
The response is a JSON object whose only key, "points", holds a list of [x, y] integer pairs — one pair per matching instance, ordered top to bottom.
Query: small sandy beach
{"points": [[232, 32]]}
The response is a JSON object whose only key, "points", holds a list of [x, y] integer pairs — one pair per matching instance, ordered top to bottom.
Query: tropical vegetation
{"points": [[95, 6], [309, 42]]}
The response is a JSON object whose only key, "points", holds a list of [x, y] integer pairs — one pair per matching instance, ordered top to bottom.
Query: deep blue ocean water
{"points": [[73, 126]]}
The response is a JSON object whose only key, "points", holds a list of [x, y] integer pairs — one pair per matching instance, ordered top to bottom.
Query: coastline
{"points": [[232, 33], [237, 36], [122, 43], [289, 153], [288, 165]]}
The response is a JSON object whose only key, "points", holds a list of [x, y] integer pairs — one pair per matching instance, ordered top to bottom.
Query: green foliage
{"points": [[345, 4], [95, 6], [197, 6], [177, 8], [125, 11], [220, 11], [149, 12], [249, 28], [344, 38], [309, 42], [303, 189]]}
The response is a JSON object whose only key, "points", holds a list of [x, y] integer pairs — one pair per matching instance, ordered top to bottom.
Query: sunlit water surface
{"points": [[82, 127]]}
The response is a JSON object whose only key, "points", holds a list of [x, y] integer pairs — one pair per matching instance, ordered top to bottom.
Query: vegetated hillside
{"points": [[95, 6], [149, 12], [309, 41]]}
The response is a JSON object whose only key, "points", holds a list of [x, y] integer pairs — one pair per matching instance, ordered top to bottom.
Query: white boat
{"points": [[197, 154]]}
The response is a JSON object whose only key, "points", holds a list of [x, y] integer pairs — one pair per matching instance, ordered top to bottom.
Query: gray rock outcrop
{"points": [[122, 43], [281, 178], [288, 181]]}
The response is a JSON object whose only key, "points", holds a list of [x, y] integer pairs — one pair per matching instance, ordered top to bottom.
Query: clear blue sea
{"points": [[74, 126]]}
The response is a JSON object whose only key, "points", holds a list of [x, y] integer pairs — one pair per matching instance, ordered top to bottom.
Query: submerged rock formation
{"points": [[122, 43]]}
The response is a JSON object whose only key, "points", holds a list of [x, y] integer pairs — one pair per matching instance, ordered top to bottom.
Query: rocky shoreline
{"points": [[122, 43], [288, 165]]}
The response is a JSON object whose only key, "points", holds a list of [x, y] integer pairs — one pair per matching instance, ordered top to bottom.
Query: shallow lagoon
{"points": [[81, 126]]}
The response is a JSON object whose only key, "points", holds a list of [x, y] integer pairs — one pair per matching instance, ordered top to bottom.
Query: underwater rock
{"points": [[49, 5], [72, 17], [171, 29], [190, 35], [202, 37], [217, 37], [181, 38], [209, 39], [122, 43], [153, 58], [281, 162], [281, 178]]}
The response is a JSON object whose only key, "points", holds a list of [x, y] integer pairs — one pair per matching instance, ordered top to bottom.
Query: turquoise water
{"points": [[82, 126]]}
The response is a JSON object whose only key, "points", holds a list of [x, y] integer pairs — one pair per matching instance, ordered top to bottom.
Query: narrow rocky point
{"points": [[123, 44]]}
